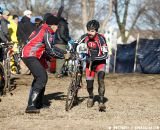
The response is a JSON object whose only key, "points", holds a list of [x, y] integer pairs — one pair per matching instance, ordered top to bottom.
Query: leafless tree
{"points": [[38, 7], [88, 13], [152, 15], [106, 19], [126, 23]]}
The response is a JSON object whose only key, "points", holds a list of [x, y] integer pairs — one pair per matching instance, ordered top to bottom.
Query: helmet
{"points": [[27, 12], [46, 15], [93, 24]]}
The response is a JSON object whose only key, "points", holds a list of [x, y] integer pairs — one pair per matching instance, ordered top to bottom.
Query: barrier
{"points": [[147, 57], [125, 58]]}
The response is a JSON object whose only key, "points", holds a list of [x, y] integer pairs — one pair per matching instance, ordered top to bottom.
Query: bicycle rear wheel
{"points": [[3, 84], [71, 94]]}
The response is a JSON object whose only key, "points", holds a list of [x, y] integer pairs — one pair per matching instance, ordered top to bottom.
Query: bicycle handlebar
{"points": [[9, 44]]}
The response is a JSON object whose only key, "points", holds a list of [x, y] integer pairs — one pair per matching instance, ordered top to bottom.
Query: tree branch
{"points": [[92, 8], [125, 12], [84, 13], [116, 13], [108, 17], [135, 21]]}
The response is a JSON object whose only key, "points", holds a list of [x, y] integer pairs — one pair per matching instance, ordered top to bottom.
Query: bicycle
{"points": [[17, 60], [5, 68], [76, 79]]}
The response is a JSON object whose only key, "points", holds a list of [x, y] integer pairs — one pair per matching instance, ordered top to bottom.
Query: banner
{"points": [[148, 56], [125, 58]]}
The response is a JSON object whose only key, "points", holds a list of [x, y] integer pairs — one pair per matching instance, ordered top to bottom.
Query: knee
{"points": [[101, 75], [44, 79]]}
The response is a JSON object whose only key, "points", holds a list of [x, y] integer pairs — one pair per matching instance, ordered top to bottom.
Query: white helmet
{"points": [[27, 12]]}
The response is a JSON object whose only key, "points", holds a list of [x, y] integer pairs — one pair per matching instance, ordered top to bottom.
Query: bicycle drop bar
{"points": [[5, 45]]}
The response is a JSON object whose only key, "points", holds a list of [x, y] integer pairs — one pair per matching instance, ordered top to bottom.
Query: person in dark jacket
{"points": [[46, 15], [38, 22], [25, 27], [4, 32], [62, 32], [61, 40]]}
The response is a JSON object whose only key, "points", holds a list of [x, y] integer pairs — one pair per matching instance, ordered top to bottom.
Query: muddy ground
{"points": [[133, 103]]}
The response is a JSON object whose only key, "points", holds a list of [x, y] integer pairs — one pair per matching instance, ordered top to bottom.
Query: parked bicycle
{"points": [[5, 68]]}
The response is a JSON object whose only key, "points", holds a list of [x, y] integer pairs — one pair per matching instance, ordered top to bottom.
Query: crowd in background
{"points": [[18, 29]]}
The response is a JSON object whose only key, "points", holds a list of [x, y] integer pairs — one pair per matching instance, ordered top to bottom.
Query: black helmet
{"points": [[46, 15], [93, 24]]}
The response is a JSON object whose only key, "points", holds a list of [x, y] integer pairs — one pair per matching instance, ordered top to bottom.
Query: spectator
{"points": [[46, 15], [38, 22], [13, 27], [25, 28], [12, 31], [4, 32], [4, 36], [61, 40]]}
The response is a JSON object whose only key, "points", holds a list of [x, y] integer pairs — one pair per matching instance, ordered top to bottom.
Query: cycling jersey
{"points": [[39, 41], [95, 47]]}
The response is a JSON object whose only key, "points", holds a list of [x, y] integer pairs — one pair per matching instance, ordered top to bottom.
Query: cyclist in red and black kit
{"points": [[40, 42], [95, 61]]}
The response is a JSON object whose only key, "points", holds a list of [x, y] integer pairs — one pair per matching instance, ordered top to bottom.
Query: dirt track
{"points": [[133, 103]]}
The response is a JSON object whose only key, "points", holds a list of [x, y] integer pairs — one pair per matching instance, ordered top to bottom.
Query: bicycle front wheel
{"points": [[71, 94]]}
